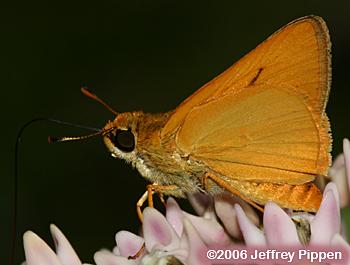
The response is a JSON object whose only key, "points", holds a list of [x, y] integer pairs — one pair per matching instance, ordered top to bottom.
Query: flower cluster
{"points": [[182, 238]]}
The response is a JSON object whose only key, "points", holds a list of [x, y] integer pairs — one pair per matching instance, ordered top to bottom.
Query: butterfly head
{"points": [[121, 135]]}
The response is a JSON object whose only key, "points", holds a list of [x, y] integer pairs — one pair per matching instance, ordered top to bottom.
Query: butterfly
{"points": [[258, 130]]}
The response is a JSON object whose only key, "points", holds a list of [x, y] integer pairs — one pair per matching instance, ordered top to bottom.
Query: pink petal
{"points": [[346, 151], [338, 163], [338, 174], [333, 187], [200, 202], [225, 210], [174, 216], [327, 220], [279, 228], [210, 230], [158, 233], [252, 235], [128, 244], [197, 248], [64, 249], [116, 251], [37, 252], [105, 258]]}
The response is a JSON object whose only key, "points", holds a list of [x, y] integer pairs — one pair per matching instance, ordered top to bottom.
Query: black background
{"points": [[146, 55]]}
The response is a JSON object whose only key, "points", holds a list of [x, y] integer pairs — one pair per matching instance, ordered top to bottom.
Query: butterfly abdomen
{"points": [[306, 197]]}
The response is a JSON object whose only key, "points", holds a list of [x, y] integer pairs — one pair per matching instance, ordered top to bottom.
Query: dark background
{"points": [[146, 55]]}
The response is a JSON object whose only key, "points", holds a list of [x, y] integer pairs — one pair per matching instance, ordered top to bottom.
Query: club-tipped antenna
{"points": [[91, 95], [54, 139]]}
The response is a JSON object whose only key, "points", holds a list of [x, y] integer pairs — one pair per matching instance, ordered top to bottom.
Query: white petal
{"points": [[346, 151], [339, 162], [342, 184], [333, 187], [200, 202], [225, 209], [174, 216], [327, 220], [278, 227], [210, 230], [158, 233], [252, 235], [128, 244], [197, 248], [64, 249], [116, 251], [37, 252]]}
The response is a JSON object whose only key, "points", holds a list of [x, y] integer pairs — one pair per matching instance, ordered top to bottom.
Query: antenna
{"points": [[91, 95], [53, 139], [15, 188]]}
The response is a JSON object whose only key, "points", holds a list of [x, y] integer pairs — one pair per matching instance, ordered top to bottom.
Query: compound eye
{"points": [[124, 140]]}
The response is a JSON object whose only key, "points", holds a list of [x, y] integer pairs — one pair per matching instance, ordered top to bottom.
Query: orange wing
{"points": [[263, 119]]}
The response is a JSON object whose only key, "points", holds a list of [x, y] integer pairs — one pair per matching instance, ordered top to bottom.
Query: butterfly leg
{"points": [[222, 183], [152, 188], [148, 195], [161, 198], [139, 204]]}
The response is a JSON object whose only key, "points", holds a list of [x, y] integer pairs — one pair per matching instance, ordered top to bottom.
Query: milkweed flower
{"points": [[177, 236], [182, 238]]}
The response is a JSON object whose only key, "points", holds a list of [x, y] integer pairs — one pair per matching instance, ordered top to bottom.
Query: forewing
{"points": [[298, 55], [263, 118]]}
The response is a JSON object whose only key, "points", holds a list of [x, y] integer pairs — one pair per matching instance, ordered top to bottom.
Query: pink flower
{"points": [[178, 236], [184, 238]]}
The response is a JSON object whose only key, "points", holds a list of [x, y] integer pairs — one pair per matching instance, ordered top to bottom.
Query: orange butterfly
{"points": [[259, 130]]}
